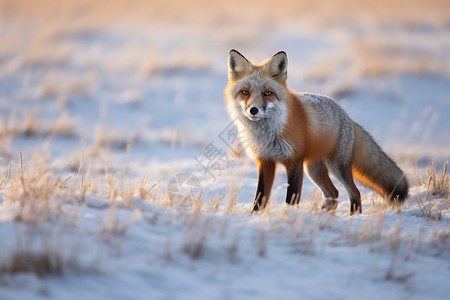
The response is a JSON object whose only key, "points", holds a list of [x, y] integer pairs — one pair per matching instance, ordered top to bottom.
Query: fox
{"points": [[304, 131]]}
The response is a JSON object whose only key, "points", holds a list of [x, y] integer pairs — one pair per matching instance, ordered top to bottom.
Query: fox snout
{"points": [[256, 112]]}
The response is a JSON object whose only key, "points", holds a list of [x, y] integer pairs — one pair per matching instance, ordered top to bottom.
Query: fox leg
{"points": [[294, 170], [343, 171], [318, 173], [266, 175]]}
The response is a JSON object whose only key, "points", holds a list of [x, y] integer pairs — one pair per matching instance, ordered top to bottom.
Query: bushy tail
{"points": [[372, 167]]}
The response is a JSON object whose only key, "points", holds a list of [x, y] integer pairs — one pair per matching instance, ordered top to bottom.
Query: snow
{"points": [[106, 104]]}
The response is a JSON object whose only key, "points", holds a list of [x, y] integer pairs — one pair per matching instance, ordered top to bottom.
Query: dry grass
{"points": [[30, 123], [62, 126], [113, 139], [438, 185], [34, 192], [231, 198], [205, 226], [113, 227], [198, 229], [369, 232], [304, 234], [439, 239], [397, 243], [234, 246], [35, 253], [42, 263]]}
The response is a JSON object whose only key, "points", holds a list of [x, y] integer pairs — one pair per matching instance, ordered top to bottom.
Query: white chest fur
{"points": [[262, 138], [260, 142]]}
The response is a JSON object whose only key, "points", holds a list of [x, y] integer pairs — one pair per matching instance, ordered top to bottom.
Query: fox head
{"points": [[257, 91]]}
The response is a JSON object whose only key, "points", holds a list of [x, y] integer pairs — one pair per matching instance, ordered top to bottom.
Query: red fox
{"points": [[302, 130]]}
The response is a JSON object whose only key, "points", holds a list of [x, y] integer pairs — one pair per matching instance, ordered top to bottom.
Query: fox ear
{"points": [[238, 65], [276, 66]]}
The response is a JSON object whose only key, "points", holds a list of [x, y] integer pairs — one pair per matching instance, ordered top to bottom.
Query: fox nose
{"points": [[253, 110]]}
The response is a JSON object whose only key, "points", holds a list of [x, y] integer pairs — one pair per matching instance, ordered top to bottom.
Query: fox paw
{"points": [[330, 205]]}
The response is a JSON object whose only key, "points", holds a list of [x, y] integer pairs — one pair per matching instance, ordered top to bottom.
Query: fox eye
{"points": [[244, 92], [268, 93]]}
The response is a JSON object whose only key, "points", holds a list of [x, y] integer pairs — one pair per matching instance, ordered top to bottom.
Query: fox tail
{"points": [[373, 168]]}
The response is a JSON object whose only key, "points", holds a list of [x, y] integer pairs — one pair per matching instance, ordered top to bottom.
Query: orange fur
{"points": [[308, 142]]}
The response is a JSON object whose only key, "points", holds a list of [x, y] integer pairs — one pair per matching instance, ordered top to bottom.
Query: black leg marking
{"points": [[266, 174], [295, 177], [259, 192], [355, 205]]}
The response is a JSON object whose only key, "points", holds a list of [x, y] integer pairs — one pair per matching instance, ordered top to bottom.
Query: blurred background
{"points": [[140, 83], [109, 101]]}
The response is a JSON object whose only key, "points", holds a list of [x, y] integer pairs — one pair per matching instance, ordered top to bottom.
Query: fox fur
{"points": [[304, 131]]}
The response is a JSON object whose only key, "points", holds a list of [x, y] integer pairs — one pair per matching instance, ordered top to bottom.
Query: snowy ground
{"points": [[101, 106]]}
